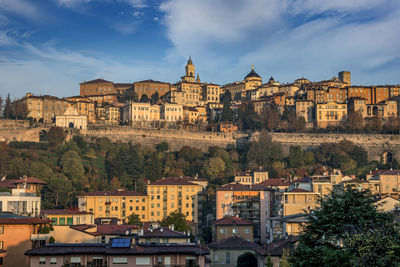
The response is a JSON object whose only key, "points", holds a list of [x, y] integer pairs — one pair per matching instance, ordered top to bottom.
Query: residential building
{"points": [[97, 87], [150, 87], [211, 93], [104, 99], [84, 106], [44, 108], [305, 109], [385, 109], [138, 112], [171, 113], [330, 114], [113, 115], [71, 119], [227, 127], [251, 178], [387, 182], [29, 184], [174, 194], [299, 200], [20, 201], [250, 202], [118, 203], [68, 217], [232, 226], [283, 226], [18, 234], [278, 249], [119, 251], [225, 252]]}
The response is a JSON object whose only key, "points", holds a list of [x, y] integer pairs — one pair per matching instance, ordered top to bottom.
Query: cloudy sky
{"points": [[50, 46]]}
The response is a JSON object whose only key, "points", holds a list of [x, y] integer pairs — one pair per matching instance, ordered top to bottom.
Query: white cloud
{"points": [[72, 3], [136, 3], [19, 7], [138, 14], [156, 18]]}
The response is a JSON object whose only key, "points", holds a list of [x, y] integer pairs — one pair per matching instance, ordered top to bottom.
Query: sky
{"points": [[50, 46]]}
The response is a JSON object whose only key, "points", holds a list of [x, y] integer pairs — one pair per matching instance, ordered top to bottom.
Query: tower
{"points": [[190, 71], [345, 77]]}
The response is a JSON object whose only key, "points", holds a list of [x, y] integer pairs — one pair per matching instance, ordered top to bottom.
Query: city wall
{"points": [[376, 145]]}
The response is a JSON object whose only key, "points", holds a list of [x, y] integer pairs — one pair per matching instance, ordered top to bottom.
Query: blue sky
{"points": [[50, 46]]}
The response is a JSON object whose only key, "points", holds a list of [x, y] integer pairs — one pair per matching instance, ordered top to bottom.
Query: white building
{"points": [[171, 112], [71, 119], [20, 202]]}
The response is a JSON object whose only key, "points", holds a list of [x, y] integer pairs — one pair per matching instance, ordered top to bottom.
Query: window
{"points": [[100, 208], [116, 208], [62, 221], [1, 229], [222, 230], [234, 231], [247, 231], [228, 258], [42, 260], [53, 260], [120, 260], [142, 260]]}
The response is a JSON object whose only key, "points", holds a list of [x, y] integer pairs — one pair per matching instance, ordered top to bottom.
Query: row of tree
{"points": [[12, 109]]}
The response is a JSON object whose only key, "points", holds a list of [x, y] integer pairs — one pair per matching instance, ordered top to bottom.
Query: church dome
{"points": [[252, 74]]}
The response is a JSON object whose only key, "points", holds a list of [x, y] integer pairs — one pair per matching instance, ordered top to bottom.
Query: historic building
{"points": [[97, 87], [150, 87], [238, 90], [84, 106], [44, 108], [305, 109], [330, 114], [71, 119]]}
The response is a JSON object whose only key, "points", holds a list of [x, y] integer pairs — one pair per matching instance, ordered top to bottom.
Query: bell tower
{"points": [[190, 71]]}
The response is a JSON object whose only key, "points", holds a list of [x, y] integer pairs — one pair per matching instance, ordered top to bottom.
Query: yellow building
{"points": [[97, 87], [239, 89], [211, 92], [84, 106], [44, 108], [305, 109], [138, 112], [171, 112], [112, 114], [330, 114], [387, 183], [174, 194], [298, 200], [119, 204], [68, 217]]}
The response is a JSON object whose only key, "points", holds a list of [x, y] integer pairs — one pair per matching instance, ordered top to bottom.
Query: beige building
{"points": [[97, 87], [150, 87], [84, 106], [44, 108], [305, 109], [384, 109], [134, 112], [171, 112], [112, 114], [330, 114], [71, 119], [251, 178], [175, 194], [298, 200], [118, 204], [232, 226]]}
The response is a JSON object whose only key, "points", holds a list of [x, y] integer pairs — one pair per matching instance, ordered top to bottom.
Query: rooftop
{"points": [[96, 81], [176, 181], [12, 183], [241, 187], [112, 193], [62, 212], [7, 218], [231, 220], [236, 243]]}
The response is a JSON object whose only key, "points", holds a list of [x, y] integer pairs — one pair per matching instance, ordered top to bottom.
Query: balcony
{"points": [[107, 203], [40, 237]]}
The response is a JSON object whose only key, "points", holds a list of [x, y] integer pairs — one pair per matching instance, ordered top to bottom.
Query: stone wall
{"points": [[13, 123], [23, 134]]}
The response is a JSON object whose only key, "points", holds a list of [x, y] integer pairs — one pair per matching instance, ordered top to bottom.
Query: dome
{"points": [[190, 61], [252, 74]]}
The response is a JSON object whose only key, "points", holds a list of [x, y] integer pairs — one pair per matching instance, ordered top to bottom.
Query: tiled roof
{"points": [[96, 81], [151, 81], [391, 172], [173, 181], [275, 182], [12, 183], [242, 187], [299, 190], [113, 193], [62, 212], [27, 220], [230, 220], [105, 229], [165, 232], [236, 243], [278, 248], [139, 249]]}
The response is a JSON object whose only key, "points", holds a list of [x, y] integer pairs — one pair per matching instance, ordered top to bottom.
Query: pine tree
{"points": [[7, 112]]}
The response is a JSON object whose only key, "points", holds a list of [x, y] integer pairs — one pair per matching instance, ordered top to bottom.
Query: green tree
{"points": [[155, 97], [144, 98], [226, 109], [7, 111], [56, 135], [162, 147], [264, 152], [295, 157], [213, 167], [17, 168], [72, 168], [39, 170], [58, 192], [176, 218], [134, 219], [329, 237], [247, 259]]}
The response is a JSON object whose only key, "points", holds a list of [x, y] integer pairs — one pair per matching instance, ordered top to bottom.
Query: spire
{"points": [[190, 61], [252, 66], [198, 78]]}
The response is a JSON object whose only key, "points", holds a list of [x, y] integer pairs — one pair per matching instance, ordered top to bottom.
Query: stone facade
{"points": [[72, 119]]}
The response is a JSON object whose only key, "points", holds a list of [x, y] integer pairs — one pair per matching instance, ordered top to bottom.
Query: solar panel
{"points": [[121, 243]]}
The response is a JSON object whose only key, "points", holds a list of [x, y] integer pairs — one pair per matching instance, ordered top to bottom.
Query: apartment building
{"points": [[84, 106], [44, 108], [305, 109], [330, 114], [112, 115], [251, 177], [175, 194], [298, 200], [250, 202], [118, 204], [68, 217], [232, 226]]}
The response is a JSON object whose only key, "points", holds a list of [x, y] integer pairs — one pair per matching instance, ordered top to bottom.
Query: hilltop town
{"points": [[199, 174]]}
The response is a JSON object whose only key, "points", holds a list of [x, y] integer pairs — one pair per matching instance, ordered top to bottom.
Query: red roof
{"points": [[174, 181], [275, 182], [12, 183], [242, 187], [299, 190], [113, 193], [34, 220], [230, 220]]}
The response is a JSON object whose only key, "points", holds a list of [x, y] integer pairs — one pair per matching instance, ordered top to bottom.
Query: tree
{"points": [[155, 97], [144, 98], [1, 105], [19, 109], [226, 110], [7, 111], [270, 119], [354, 121], [56, 135], [162, 147], [264, 152], [295, 157], [214, 166], [72, 167], [57, 193], [176, 218], [134, 219], [341, 230], [247, 259]]}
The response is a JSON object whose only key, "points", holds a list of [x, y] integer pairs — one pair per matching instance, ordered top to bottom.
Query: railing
{"points": [[38, 237]]}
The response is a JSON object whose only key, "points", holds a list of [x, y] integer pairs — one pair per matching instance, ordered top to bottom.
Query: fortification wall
{"points": [[13, 123], [23, 134]]}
